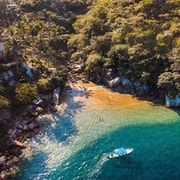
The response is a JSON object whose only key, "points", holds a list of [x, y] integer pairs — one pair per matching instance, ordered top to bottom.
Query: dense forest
{"points": [[35, 33], [139, 38]]}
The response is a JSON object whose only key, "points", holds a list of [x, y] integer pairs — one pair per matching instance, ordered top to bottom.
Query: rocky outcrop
{"points": [[30, 72], [9, 78], [124, 85], [55, 96], [44, 102], [172, 102], [24, 127]]}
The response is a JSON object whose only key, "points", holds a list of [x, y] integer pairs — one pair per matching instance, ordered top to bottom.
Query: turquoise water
{"points": [[75, 144]]}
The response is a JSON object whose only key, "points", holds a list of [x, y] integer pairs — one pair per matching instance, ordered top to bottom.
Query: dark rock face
{"points": [[110, 74], [8, 78], [124, 85], [55, 96], [172, 102]]}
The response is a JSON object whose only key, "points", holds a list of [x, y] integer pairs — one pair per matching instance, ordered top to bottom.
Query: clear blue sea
{"points": [[74, 143]]}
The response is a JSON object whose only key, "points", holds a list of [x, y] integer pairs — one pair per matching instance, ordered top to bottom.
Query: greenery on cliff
{"points": [[36, 33], [140, 38]]}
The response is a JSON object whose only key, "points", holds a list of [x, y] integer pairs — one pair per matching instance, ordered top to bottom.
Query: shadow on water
{"points": [[80, 92], [61, 127], [66, 127], [57, 128], [61, 131], [156, 155], [37, 166]]}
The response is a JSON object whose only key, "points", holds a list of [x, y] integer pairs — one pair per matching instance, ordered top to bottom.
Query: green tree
{"points": [[170, 82], [44, 85], [25, 93]]}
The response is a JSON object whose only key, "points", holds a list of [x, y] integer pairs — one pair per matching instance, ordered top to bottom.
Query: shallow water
{"points": [[93, 121]]}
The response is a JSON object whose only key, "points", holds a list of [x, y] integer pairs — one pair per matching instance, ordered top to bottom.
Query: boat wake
{"points": [[107, 156], [97, 167]]}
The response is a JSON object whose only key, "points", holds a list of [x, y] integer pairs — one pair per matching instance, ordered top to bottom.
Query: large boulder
{"points": [[27, 69], [110, 74], [9, 78], [121, 84], [124, 85], [140, 88], [55, 96], [172, 102], [33, 125]]}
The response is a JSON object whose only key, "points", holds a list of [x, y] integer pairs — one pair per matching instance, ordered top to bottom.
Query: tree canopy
{"points": [[37, 35], [139, 37]]}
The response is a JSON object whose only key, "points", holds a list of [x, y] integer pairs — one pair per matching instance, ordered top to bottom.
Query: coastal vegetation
{"points": [[36, 33], [139, 38], [44, 39]]}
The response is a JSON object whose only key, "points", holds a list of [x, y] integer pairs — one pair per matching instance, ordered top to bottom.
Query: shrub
{"points": [[44, 85], [25, 93], [4, 102]]}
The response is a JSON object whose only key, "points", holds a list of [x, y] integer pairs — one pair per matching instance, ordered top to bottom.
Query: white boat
{"points": [[120, 152]]}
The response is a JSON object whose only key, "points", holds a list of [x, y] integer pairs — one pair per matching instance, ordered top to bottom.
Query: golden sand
{"points": [[90, 95]]}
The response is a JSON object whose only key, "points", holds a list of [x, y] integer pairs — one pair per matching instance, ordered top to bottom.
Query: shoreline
{"points": [[27, 126], [20, 128]]}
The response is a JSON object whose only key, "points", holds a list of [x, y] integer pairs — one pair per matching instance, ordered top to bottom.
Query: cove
{"points": [[92, 121]]}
